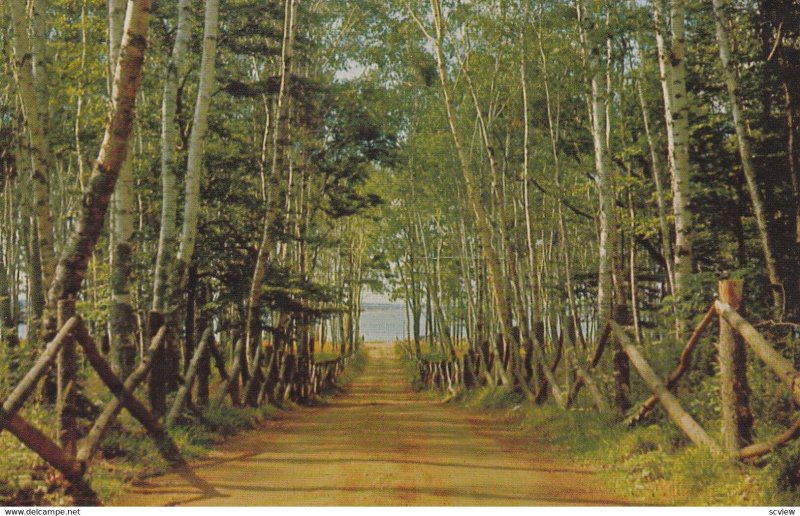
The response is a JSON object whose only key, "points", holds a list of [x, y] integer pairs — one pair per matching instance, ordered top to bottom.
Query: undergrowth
{"points": [[127, 453], [653, 463], [649, 464]]}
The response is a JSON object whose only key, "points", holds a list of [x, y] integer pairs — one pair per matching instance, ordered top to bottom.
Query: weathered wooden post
{"points": [[622, 368], [204, 373], [156, 382], [66, 383], [231, 384], [541, 388], [185, 391], [737, 419]]}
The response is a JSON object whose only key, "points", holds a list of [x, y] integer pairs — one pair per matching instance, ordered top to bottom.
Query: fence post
{"points": [[622, 368], [204, 372], [67, 373], [156, 382], [737, 419]]}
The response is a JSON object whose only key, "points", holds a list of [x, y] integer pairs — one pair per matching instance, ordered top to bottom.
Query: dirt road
{"points": [[380, 444]]}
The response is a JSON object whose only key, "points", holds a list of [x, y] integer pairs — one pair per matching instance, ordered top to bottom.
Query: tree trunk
{"points": [[672, 66], [745, 153], [194, 164], [658, 172], [169, 192], [81, 242], [608, 246], [37, 292], [122, 318], [8, 327], [67, 367]]}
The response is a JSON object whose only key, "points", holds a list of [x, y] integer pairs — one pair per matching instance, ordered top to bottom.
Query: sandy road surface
{"points": [[380, 444]]}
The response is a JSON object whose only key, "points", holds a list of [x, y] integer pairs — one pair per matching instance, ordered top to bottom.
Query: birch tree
{"points": [[672, 67], [197, 138], [281, 141], [746, 153], [169, 191], [481, 218], [82, 240], [122, 318]]}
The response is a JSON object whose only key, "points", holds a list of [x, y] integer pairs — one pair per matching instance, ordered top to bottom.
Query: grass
{"points": [[322, 356], [353, 369], [127, 452], [131, 455], [650, 464], [24, 479]]}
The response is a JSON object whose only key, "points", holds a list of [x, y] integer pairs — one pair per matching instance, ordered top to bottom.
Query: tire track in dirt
{"points": [[379, 443]]}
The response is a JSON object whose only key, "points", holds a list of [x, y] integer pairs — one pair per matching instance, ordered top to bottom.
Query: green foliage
{"points": [[490, 398], [653, 463], [787, 475], [24, 478]]}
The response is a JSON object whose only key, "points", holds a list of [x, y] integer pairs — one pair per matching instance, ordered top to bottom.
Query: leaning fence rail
{"points": [[453, 374], [286, 377]]}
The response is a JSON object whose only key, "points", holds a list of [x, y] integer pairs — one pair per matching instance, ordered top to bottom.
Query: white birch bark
{"points": [[672, 65], [746, 154], [194, 166], [169, 191], [608, 244], [123, 320]]}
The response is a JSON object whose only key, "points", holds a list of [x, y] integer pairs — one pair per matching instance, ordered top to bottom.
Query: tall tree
{"points": [[672, 67], [197, 142], [746, 154], [169, 190], [82, 240], [608, 245], [122, 317]]}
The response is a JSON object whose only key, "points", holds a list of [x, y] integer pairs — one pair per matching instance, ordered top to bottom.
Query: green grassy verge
{"points": [[127, 452], [650, 464]]}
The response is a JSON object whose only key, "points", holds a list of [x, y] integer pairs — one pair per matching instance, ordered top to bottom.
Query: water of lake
{"points": [[379, 321], [383, 321]]}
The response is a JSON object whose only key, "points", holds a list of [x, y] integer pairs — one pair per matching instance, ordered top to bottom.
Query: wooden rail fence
{"points": [[735, 332], [285, 378]]}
